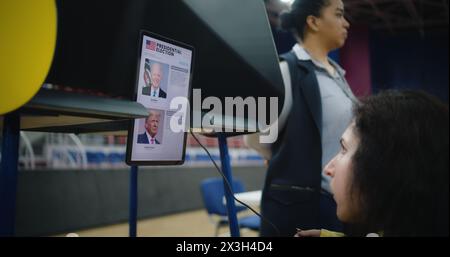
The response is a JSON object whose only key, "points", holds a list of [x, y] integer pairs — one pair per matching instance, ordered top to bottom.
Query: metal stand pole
{"points": [[226, 169], [8, 173], [133, 201]]}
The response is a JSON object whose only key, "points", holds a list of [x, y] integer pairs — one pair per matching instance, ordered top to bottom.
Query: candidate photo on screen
{"points": [[155, 79], [151, 131]]}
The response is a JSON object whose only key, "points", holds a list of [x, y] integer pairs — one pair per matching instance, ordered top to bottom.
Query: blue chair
{"points": [[212, 190]]}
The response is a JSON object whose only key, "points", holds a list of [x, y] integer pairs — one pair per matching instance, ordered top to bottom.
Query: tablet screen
{"points": [[164, 73]]}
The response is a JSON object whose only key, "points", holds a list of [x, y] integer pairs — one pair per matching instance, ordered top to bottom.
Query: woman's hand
{"points": [[307, 233]]}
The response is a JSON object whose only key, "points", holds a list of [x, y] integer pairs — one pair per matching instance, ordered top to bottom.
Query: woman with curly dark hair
{"points": [[391, 174]]}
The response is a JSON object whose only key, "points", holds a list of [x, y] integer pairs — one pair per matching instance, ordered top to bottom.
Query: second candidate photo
{"points": [[151, 133]]}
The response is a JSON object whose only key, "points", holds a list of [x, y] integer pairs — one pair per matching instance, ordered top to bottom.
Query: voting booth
{"points": [[101, 65]]}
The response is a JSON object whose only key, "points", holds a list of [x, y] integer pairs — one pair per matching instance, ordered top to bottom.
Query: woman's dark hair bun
{"points": [[287, 20]]}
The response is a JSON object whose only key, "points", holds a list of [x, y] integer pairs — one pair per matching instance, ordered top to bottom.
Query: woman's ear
{"points": [[312, 23]]}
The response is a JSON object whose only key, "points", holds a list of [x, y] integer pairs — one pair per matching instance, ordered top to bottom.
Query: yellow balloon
{"points": [[27, 45]]}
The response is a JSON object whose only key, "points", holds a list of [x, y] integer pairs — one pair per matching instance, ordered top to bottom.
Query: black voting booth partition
{"points": [[97, 50]]}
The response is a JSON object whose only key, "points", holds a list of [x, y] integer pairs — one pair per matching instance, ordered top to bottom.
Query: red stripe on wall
{"points": [[355, 59]]}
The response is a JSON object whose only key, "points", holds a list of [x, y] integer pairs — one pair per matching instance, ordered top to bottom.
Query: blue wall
{"points": [[409, 60]]}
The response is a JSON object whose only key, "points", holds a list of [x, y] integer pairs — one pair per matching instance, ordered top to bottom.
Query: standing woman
{"points": [[316, 112]]}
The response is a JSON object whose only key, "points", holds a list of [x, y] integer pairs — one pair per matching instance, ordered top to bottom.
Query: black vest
{"points": [[293, 183]]}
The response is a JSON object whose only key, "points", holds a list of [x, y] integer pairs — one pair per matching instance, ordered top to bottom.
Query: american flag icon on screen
{"points": [[151, 45]]}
